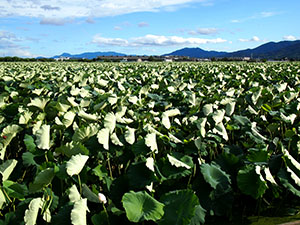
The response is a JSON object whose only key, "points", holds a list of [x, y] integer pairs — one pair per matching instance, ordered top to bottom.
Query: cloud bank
{"points": [[82, 8], [153, 40]]}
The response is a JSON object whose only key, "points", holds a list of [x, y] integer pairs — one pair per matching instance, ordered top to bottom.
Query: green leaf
{"points": [[39, 103], [230, 108], [207, 109], [172, 112], [87, 116], [218, 116], [25, 117], [68, 118], [242, 120], [165, 121], [110, 122], [201, 126], [221, 130], [9, 133], [84, 133], [129, 135], [43, 137], [103, 137], [115, 140], [150, 141], [29, 142], [72, 149], [257, 155], [28, 159], [177, 163], [292, 163], [75, 164], [7, 167], [140, 175], [216, 177], [42, 179], [286, 180], [251, 182], [15, 190], [74, 194], [91, 196], [2, 199], [140, 206], [180, 206], [32, 212], [78, 213], [199, 217], [100, 219]]}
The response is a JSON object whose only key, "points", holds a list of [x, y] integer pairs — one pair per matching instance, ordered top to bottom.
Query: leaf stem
{"points": [[109, 166], [79, 182], [106, 213]]}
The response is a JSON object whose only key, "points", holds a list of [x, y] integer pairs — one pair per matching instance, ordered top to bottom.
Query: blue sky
{"points": [[30, 28]]}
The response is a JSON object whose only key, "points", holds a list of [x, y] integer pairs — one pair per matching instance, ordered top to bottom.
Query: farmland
{"points": [[177, 143]]}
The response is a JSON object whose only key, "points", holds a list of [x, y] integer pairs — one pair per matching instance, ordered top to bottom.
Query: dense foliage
{"points": [[151, 143]]}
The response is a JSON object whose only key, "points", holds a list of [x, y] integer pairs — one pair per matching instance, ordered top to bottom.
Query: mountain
{"points": [[270, 50], [196, 53], [89, 55]]}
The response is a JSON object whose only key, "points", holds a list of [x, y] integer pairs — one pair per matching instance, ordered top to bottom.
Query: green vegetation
{"points": [[148, 143]]}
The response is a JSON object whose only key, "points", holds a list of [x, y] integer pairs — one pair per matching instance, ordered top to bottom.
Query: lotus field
{"points": [[148, 143]]}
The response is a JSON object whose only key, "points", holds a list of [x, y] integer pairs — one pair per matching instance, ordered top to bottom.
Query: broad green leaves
{"points": [[165, 143], [7, 167], [215, 177], [42, 179], [251, 182], [140, 206], [180, 207]]}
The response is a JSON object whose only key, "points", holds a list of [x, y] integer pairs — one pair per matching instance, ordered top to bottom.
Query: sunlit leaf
{"points": [[129, 135], [43, 137], [103, 138], [76, 164], [32, 212], [78, 213]]}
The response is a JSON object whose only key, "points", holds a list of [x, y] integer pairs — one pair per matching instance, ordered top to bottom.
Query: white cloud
{"points": [[82, 8], [267, 14], [260, 15], [204, 31], [289, 38], [253, 39], [154, 40], [109, 41], [9, 45]]}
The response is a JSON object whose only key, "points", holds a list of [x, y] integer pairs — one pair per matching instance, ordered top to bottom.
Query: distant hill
{"points": [[270, 50], [196, 53], [89, 55]]}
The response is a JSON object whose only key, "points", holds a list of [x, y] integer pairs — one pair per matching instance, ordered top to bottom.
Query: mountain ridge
{"points": [[270, 50]]}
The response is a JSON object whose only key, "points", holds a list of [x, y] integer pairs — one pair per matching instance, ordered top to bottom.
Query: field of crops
{"points": [[148, 143]]}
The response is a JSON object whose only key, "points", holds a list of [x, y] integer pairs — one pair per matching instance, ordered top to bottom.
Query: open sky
{"points": [[30, 28]]}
